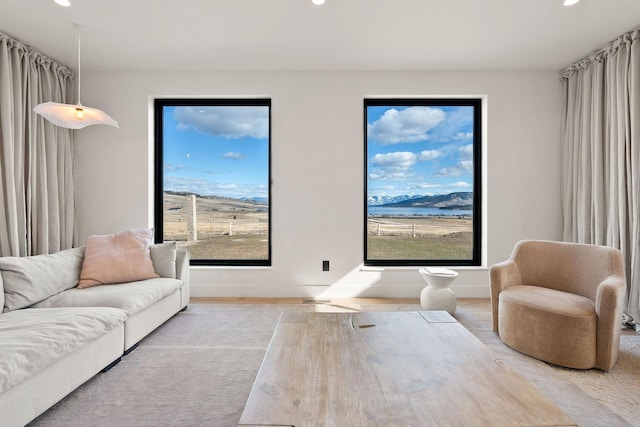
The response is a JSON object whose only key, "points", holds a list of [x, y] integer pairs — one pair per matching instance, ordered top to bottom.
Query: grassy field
{"points": [[226, 228], [233, 229], [420, 238], [229, 247], [423, 248]]}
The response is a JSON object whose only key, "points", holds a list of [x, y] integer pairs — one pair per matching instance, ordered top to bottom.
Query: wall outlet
{"points": [[325, 265]]}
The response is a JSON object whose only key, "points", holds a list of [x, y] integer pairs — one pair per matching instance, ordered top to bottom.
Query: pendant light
{"points": [[74, 116]]}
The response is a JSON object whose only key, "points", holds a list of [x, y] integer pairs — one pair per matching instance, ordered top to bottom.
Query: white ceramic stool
{"points": [[437, 295]]}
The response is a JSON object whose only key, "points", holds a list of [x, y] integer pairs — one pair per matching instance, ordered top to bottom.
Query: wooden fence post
{"points": [[192, 219]]}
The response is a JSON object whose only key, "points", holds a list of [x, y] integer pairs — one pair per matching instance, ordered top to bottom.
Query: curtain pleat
{"points": [[601, 154], [36, 157]]}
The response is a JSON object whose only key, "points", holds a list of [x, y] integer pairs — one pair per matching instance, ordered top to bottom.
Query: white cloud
{"points": [[228, 122], [408, 125], [463, 135], [466, 152], [429, 155], [233, 156], [399, 160], [466, 165], [393, 166], [171, 167], [460, 168], [383, 174], [195, 185], [425, 186], [205, 187], [226, 187]]}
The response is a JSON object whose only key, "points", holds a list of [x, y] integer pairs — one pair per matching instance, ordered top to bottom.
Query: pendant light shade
{"points": [[74, 116]]}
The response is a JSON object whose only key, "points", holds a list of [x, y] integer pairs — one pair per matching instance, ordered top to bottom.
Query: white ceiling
{"points": [[340, 35]]}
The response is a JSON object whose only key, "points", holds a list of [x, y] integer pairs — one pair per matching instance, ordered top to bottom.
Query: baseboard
{"points": [[324, 291]]}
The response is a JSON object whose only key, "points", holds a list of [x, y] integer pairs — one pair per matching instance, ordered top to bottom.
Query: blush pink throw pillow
{"points": [[117, 258]]}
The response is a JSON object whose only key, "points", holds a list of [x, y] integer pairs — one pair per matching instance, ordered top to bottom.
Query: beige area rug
{"points": [[198, 369], [619, 389], [591, 397]]}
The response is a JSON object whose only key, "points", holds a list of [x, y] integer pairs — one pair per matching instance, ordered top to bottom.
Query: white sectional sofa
{"points": [[55, 336]]}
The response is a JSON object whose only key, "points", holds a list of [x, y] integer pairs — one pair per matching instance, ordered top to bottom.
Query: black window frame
{"points": [[159, 104], [477, 104]]}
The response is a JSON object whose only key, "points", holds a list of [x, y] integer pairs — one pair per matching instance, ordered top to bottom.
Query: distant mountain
{"points": [[253, 200], [257, 200], [385, 200], [460, 200]]}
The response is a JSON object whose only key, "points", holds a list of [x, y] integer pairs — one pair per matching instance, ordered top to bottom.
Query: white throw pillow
{"points": [[163, 256], [31, 279]]}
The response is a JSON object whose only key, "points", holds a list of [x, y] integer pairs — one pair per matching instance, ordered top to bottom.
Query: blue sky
{"points": [[217, 150], [419, 150], [223, 151]]}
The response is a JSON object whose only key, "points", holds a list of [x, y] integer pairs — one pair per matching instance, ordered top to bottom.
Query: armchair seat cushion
{"points": [[548, 324]]}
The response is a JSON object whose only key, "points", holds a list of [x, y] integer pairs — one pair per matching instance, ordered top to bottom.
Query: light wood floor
{"points": [[242, 300], [479, 307]]}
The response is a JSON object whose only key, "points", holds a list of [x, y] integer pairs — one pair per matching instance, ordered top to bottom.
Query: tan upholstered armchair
{"points": [[560, 302]]}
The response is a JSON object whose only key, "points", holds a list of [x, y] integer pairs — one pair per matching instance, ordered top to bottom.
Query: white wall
{"points": [[317, 170]]}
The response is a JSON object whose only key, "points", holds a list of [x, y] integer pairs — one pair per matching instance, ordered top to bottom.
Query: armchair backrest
{"points": [[571, 267]]}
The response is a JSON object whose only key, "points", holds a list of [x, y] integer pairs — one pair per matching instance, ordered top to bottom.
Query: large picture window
{"points": [[212, 166], [422, 182]]}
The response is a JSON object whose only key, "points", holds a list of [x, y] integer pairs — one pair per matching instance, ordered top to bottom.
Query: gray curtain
{"points": [[601, 155], [36, 163]]}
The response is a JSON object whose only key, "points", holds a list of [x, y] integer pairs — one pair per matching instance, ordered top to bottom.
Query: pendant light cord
{"points": [[78, 77], [71, 116]]}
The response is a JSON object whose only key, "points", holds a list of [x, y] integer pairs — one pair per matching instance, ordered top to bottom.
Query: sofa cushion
{"points": [[163, 256], [117, 258], [28, 280], [131, 297], [33, 339]]}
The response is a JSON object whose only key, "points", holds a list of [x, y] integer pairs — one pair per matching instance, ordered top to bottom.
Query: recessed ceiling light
{"points": [[318, 2], [570, 2], [65, 3]]}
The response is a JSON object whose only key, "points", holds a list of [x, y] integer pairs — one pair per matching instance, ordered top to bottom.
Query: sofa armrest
{"points": [[182, 273], [503, 275], [609, 305]]}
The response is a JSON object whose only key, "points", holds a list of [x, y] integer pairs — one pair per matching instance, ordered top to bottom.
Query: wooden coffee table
{"points": [[388, 369]]}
